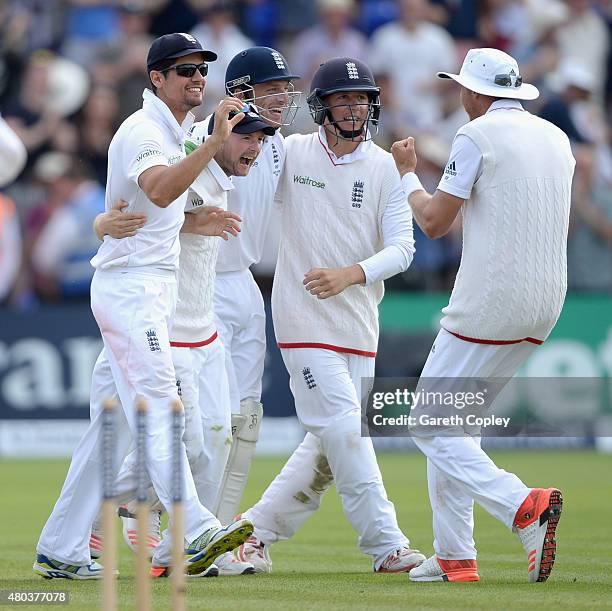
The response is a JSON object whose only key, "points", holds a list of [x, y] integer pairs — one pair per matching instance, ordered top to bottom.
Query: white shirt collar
{"points": [[505, 103], [153, 104], [359, 153], [225, 181]]}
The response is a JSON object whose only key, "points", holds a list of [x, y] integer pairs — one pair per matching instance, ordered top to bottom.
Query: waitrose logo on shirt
{"points": [[306, 180]]}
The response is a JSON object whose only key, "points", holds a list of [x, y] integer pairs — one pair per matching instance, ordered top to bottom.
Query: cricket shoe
{"points": [[535, 524], [130, 528], [95, 540], [214, 542], [256, 553], [401, 560], [229, 565], [54, 569], [436, 569], [158, 572]]}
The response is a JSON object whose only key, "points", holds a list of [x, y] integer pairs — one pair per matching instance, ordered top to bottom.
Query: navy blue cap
{"points": [[173, 46], [251, 122]]}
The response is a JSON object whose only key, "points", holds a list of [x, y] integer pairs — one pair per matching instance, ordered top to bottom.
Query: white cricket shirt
{"points": [[149, 137], [516, 169], [337, 212], [193, 321]]}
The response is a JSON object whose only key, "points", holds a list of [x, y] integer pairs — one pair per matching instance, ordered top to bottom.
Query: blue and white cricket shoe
{"points": [[214, 542], [54, 569]]}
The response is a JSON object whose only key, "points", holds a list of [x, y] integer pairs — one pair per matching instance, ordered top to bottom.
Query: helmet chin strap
{"points": [[345, 134]]}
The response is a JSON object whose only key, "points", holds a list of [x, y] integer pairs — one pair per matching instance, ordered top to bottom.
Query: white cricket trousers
{"points": [[133, 311], [240, 319], [202, 380], [202, 385], [328, 393], [458, 470]]}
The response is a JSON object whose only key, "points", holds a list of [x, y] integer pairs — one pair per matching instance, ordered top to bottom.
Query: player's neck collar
{"points": [[160, 108], [359, 153]]}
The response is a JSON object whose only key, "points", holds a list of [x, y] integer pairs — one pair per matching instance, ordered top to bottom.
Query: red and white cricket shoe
{"points": [[535, 524], [130, 528], [95, 541], [256, 553], [401, 561], [229, 565], [436, 569]]}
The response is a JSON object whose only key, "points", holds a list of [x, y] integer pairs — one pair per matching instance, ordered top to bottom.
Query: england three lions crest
{"points": [[357, 195]]}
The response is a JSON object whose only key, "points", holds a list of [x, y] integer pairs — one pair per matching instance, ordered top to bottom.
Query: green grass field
{"points": [[322, 567]]}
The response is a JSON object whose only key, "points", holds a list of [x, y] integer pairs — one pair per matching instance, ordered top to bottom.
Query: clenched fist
{"points": [[404, 155]]}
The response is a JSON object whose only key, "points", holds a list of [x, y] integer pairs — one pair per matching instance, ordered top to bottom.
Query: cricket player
{"points": [[262, 77], [510, 174], [345, 227], [133, 301], [197, 352], [203, 363]]}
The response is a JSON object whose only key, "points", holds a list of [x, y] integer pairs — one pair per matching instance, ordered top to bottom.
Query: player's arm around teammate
{"points": [[211, 221]]}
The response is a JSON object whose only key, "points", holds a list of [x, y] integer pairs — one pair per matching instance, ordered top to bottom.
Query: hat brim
{"points": [[209, 56], [279, 77], [341, 88], [524, 92], [247, 127]]}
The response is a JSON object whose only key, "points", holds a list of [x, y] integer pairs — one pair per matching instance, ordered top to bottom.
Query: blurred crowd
{"points": [[72, 70]]}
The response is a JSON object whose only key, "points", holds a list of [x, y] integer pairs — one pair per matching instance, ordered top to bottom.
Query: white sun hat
{"points": [[492, 72]]}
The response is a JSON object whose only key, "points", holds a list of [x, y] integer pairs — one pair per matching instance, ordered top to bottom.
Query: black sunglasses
{"points": [[188, 70], [505, 80]]}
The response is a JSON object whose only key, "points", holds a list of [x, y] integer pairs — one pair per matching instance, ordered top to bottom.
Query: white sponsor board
{"points": [[40, 438], [58, 438]]}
